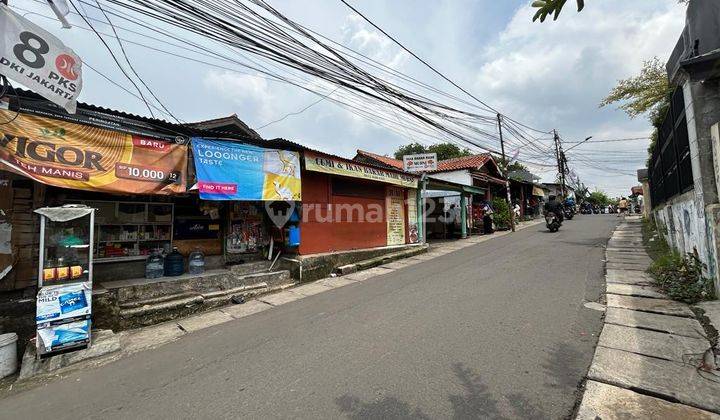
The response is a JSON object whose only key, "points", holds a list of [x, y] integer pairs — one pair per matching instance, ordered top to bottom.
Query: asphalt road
{"points": [[495, 330]]}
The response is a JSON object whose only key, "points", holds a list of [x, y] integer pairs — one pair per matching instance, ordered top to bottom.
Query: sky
{"points": [[548, 75]]}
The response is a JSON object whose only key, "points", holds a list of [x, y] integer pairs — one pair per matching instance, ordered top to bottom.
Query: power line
{"points": [[276, 42], [114, 58], [418, 58], [127, 59], [300, 111], [611, 140]]}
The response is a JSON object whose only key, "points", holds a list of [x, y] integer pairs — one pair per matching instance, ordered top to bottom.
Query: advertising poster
{"points": [[69, 155], [330, 165], [228, 170], [395, 209], [413, 230], [65, 301], [56, 337]]}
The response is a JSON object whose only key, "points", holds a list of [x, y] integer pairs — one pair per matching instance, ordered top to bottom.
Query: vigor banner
{"points": [[69, 155]]}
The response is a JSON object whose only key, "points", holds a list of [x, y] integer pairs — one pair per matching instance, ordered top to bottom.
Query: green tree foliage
{"points": [[552, 7], [647, 92], [410, 149], [444, 150], [447, 151], [598, 198], [501, 215]]}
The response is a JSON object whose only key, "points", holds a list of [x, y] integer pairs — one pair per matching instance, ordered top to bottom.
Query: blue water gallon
{"points": [[293, 235], [174, 263]]}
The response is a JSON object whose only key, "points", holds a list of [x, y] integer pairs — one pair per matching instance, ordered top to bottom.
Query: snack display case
{"points": [[65, 266]]}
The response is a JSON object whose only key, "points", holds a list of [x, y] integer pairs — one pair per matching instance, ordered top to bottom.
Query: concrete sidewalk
{"points": [[111, 347], [648, 358]]}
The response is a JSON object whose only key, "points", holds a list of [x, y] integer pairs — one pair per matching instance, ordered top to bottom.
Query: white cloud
{"points": [[360, 36], [554, 74], [250, 92]]}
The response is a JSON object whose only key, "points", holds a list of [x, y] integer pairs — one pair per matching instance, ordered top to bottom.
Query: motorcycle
{"points": [[568, 213], [552, 222]]}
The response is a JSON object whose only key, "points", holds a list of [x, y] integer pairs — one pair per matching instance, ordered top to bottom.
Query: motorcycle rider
{"points": [[555, 207]]}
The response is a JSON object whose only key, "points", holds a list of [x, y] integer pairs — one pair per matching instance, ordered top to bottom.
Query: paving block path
{"points": [[646, 364]]}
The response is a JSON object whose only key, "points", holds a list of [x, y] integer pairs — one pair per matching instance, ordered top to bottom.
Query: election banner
{"points": [[35, 58], [78, 156], [229, 170]]}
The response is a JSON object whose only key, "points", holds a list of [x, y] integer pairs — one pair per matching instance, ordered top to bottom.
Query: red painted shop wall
{"points": [[351, 232]]}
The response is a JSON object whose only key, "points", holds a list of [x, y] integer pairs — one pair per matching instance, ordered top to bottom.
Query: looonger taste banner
{"points": [[228, 170]]}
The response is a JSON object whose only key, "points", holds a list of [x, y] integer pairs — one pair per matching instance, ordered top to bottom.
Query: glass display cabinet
{"points": [[65, 266]]}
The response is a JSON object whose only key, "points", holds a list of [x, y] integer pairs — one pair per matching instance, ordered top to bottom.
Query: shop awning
{"points": [[435, 184], [65, 213]]}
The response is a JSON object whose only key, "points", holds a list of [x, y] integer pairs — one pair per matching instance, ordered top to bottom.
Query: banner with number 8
{"points": [[38, 60]]}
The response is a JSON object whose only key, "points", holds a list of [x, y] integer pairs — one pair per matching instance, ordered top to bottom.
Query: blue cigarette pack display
{"points": [[63, 301], [73, 301], [65, 334]]}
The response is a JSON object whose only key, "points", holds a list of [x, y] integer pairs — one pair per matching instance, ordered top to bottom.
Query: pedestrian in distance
{"points": [[622, 207], [452, 216], [488, 218]]}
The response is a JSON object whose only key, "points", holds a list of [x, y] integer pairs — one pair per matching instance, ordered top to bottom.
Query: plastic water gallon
{"points": [[196, 262], [174, 263], [154, 265], [8, 354]]}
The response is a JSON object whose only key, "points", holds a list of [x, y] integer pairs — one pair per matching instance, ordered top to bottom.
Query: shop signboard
{"points": [[35, 58], [69, 155], [420, 163], [330, 165], [229, 170], [412, 208], [395, 209]]}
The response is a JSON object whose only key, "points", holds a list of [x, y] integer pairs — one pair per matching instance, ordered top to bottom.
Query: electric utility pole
{"points": [[560, 156], [565, 171], [507, 174]]}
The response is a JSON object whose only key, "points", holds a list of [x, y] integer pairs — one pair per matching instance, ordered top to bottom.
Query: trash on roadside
{"points": [[238, 299]]}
